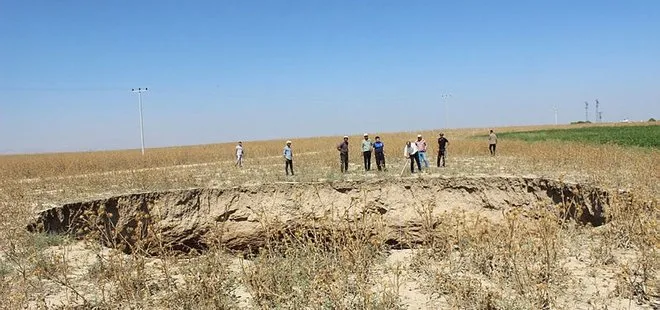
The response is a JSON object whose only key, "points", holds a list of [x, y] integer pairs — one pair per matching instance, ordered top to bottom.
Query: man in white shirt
{"points": [[410, 151], [239, 154], [288, 158]]}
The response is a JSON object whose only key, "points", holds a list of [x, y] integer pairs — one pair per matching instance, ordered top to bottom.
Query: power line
{"points": [[97, 88], [61, 89], [446, 97]]}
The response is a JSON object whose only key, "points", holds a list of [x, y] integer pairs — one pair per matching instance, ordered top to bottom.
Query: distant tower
{"points": [[555, 109], [586, 111], [597, 113], [600, 116]]}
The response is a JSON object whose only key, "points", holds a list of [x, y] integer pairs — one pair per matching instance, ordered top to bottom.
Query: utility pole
{"points": [[139, 91], [445, 97], [555, 109], [586, 111], [597, 113], [600, 116]]}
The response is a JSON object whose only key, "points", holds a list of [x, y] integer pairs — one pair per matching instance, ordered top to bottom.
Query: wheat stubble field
{"points": [[543, 225]]}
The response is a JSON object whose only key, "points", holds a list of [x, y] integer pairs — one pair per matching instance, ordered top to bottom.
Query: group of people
{"points": [[368, 147], [415, 151], [287, 153]]}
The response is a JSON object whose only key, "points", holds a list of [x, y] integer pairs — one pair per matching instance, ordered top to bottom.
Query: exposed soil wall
{"points": [[241, 218]]}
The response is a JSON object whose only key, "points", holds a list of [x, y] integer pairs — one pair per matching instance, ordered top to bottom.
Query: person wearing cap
{"points": [[492, 142], [442, 149], [421, 150], [410, 151], [366, 152], [379, 153], [239, 154], [343, 154], [288, 158]]}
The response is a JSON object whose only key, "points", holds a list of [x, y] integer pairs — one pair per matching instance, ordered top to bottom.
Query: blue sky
{"points": [[227, 70]]}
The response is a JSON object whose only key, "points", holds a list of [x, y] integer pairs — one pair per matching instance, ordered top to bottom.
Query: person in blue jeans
{"points": [[421, 150], [380, 154]]}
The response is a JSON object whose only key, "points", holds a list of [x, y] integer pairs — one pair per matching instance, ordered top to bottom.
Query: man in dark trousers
{"points": [[492, 142], [367, 146], [442, 150], [410, 152], [343, 154], [380, 155], [288, 158]]}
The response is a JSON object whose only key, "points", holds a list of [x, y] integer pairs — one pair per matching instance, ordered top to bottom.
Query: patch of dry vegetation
{"points": [[531, 260], [331, 265]]}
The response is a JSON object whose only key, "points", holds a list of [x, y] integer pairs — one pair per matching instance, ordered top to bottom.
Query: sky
{"points": [[228, 70]]}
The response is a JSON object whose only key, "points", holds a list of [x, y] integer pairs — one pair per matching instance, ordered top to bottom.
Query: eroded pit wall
{"points": [[240, 218]]}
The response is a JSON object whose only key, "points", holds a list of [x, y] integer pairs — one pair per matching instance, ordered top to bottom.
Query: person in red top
{"points": [[442, 150]]}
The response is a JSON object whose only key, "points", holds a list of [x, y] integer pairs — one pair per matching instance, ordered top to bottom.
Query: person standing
{"points": [[492, 142], [442, 149], [421, 150], [366, 152], [411, 152], [379, 153], [239, 154], [343, 154], [288, 158]]}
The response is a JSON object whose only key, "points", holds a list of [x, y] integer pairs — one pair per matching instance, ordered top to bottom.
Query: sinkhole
{"points": [[241, 218]]}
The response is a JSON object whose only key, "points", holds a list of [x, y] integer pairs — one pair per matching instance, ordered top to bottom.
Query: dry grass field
{"points": [[531, 257]]}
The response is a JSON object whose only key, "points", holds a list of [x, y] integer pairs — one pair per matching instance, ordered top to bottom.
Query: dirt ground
{"points": [[238, 214], [539, 227]]}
